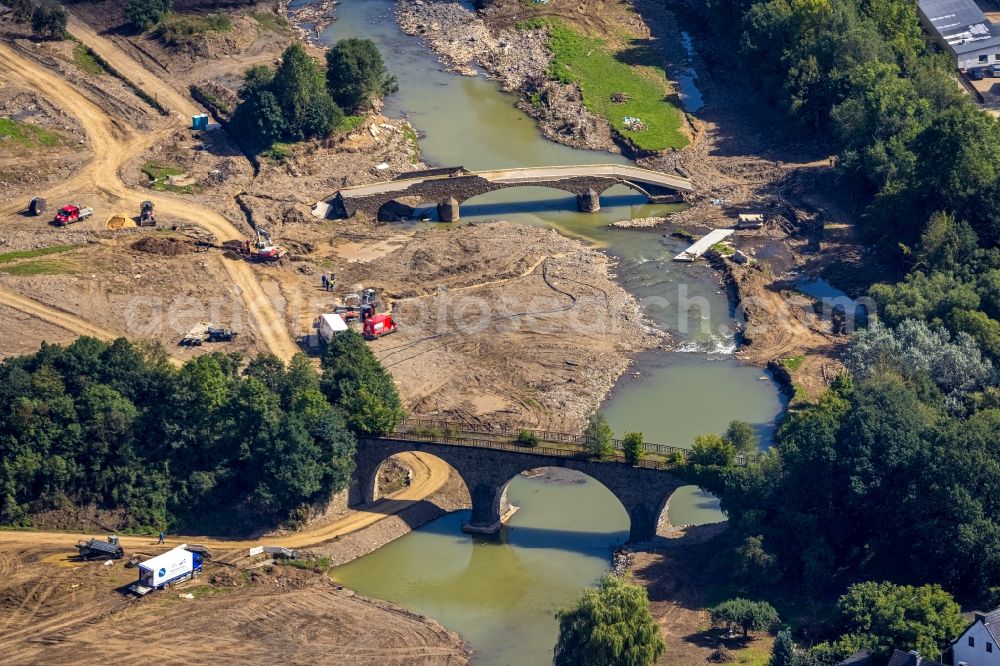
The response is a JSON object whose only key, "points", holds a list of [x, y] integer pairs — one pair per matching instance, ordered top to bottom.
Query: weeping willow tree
{"points": [[610, 624]]}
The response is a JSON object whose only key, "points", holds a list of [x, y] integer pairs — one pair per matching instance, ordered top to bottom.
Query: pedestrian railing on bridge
{"points": [[505, 438]]}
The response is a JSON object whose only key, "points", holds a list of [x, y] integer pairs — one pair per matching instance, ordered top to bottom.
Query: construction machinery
{"points": [[72, 213], [146, 216], [262, 248], [218, 334], [95, 549]]}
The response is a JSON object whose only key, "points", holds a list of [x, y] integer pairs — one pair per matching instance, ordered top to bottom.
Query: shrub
{"points": [[144, 14], [49, 20], [527, 438], [633, 447]]}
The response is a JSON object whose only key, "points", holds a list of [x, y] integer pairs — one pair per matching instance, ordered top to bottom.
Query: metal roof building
{"points": [[961, 28]]}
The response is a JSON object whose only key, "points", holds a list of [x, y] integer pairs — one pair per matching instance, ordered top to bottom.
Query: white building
{"points": [[960, 28], [978, 645]]}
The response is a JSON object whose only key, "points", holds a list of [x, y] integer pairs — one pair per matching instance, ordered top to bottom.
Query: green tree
{"points": [[144, 14], [49, 20], [356, 73], [356, 382], [598, 436], [742, 437], [633, 447], [712, 451], [746, 614], [925, 618], [609, 625], [784, 652]]}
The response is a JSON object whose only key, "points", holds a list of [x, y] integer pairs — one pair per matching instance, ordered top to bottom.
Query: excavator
{"points": [[262, 248]]}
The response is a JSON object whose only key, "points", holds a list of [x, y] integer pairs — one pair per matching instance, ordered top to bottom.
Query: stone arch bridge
{"points": [[449, 187], [487, 467]]}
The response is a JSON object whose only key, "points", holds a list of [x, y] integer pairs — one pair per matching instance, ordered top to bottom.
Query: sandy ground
{"points": [[55, 611]]}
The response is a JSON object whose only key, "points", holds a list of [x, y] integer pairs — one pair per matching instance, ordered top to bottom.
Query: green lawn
{"points": [[271, 21], [174, 29], [85, 60], [600, 73], [27, 135], [158, 174], [31, 254], [41, 267]]}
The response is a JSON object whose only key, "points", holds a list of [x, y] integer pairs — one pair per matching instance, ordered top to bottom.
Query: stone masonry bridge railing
{"points": [[449, 187], [488, 461]]}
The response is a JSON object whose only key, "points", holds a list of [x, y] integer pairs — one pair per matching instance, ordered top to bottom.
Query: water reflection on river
{"points": [[501, 593]]}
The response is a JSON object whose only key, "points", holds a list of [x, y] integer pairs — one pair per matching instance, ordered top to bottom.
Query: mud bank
{"points": [[517, 59]]}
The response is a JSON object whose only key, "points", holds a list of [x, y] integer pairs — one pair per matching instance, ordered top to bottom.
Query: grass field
{"points": [[271, 21], [174, 29], [85, 60], [601, 72], [27, 135], [158, 174], [7, 257], [47, 266], [41, 267]]}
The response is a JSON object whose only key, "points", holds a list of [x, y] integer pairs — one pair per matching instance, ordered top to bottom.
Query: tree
{"points": [[21, 10], [144, 14], [49, 20], [356, 73], [300, 90], [287, 104], [359, 386], [598, 436], [742, 437], [633, 447], [712, 451], [743, 613], [925, 618], [609, 625], [784, 652]]}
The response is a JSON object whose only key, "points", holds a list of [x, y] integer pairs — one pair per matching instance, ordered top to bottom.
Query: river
{"points": [[501, 593]]}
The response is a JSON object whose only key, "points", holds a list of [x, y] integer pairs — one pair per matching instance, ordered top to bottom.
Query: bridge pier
{"points": [[589, 201], [449, 210], [490, 509]]}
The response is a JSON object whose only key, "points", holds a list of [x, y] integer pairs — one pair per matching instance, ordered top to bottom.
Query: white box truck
{"points": [[328, 325], [172, 566]]}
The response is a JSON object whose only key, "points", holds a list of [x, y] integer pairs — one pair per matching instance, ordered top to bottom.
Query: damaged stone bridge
{"points": [[450, 187], [488, 466]]}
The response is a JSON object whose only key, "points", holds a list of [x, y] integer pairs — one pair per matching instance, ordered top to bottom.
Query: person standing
{"points": [[326, 283], [161, 538]]}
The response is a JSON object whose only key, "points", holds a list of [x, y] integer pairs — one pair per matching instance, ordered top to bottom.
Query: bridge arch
{"points": [[643, 491]]}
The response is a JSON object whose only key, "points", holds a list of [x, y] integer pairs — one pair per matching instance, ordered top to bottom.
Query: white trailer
{"points": [[329, 325], [172, 566]]}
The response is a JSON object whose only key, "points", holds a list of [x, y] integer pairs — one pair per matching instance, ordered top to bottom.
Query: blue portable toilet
{"points": [[199, 122]]}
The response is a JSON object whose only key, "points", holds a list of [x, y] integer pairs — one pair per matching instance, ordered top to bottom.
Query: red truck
{"points": [[72, 213], [378, 325]]}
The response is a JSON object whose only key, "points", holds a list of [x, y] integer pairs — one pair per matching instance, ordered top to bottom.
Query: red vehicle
{"points": [[72, 213], [378, 325]]}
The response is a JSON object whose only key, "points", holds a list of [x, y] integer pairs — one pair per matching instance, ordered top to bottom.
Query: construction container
{"points": [[199, 122]]}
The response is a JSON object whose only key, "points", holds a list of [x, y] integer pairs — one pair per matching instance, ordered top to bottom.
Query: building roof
{"points": [[961, 24], [991, 621], [859, 658], [911, 658]]}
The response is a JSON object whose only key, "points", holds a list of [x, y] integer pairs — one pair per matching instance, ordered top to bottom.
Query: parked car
{"points": [[995, 71], [976, 74]]}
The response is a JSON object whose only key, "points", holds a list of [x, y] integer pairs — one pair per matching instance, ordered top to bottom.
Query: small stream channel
{"points": [[501, 593]]}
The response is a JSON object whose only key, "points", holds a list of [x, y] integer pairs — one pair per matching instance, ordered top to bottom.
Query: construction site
{"points": [[131, 212]]}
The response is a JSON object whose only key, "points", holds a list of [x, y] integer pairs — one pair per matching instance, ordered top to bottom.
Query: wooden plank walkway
{"points": [[707, 241]]}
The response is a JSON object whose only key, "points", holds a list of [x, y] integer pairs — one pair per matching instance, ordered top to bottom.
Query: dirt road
{"points": [[115, 144], [53, 316], [429, 474]]}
